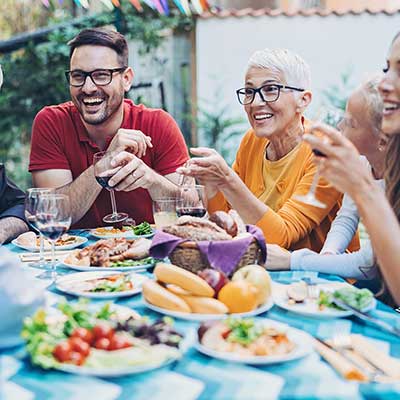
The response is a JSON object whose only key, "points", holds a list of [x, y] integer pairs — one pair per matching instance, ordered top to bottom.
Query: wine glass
{"points": [[329, 116], [103, 171], [192, 201], [31, 203], [53, 219]]}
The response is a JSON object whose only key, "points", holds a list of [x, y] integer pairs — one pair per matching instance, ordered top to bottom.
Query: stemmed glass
{"points": [[329, 116], [103, 171], [192, 201], [31, 203], [53, 220]]}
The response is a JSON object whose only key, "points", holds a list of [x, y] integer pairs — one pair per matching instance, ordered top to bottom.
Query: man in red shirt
{"points": [[65, 137]]}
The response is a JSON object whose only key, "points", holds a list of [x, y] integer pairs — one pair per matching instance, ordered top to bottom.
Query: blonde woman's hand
{"points": [[342, 165], [278, 258]]}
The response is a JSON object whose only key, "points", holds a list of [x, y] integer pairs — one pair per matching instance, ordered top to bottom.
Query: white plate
{"points": [[127, 234], [78, 242], [95, 268], [67, 284], [309, 307], [209, 317], [301, 339], [112, 372]]}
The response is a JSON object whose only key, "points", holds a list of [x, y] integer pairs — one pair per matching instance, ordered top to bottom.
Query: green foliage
{"points": [[34, 77], [336, 95]]}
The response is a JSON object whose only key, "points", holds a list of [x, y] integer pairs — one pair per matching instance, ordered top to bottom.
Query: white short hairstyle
{"points": [[294, 69], [374, 102]]}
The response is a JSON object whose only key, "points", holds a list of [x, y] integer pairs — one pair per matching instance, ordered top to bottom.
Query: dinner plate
{"points": [[126, 234], [78, 242], [85, 268], [70, 284], [309, 307], [209, 317], [302, 340]]}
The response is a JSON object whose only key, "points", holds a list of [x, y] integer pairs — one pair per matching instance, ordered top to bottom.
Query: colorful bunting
{"points": [[108, 4], [150, 4], [137, 5], [158, 6], [162, 6], [165, 6], [197, 6]]}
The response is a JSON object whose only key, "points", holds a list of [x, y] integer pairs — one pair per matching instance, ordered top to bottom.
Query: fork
{"points": [[312, 288], [342, 342]]}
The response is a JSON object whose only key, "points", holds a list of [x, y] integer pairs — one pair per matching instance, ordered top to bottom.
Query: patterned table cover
{"points": [[197, 376]]}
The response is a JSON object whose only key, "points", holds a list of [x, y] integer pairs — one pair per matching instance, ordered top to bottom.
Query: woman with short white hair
{"points": [[272, 165]]}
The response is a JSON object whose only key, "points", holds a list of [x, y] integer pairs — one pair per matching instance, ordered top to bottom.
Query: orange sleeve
{"points": [[294, 220]]}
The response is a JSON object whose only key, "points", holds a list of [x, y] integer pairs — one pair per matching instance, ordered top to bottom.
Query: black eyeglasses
{"points": [[100, 77], [268, 93]]}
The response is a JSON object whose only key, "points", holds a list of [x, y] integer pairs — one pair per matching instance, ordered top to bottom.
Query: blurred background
{"points": [[189, 57]]}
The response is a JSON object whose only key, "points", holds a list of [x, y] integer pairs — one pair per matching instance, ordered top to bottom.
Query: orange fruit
{"points": [[239, 296]]}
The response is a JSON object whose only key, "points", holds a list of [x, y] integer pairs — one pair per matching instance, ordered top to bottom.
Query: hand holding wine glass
{"points": [[331, 117], [103, 171], [53, 220]]}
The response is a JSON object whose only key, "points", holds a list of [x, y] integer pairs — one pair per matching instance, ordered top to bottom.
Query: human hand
{"points": [[132, 141], [342, 166], [209, 167], [133, 173], [278, 258]]}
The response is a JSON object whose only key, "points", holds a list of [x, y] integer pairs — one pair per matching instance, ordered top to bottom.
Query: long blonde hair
{"points": [[392, 173]]}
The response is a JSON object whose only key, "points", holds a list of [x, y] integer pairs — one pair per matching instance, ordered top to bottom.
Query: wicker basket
{"points": [[187, 255]]}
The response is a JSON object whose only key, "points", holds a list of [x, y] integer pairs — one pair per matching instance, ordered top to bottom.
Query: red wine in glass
{"points": [[318, 153], [103, 181], [192, 211], [53, 232]]}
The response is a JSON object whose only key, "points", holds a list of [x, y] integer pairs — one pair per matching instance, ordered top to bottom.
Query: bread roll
{"points": [[225, 221], [241, 226], [27, 239], [169, 273], [155, 294], [205, 305]]}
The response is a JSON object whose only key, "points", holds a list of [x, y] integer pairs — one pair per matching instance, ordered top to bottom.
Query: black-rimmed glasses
{"points": [[100, 77], [268, 93]]}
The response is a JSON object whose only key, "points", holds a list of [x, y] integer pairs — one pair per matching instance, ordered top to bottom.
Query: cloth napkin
{"points": [[223, 255], [20, 295]]}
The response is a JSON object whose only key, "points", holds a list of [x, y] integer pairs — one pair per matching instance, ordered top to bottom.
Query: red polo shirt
{"points": [[60, 141]]}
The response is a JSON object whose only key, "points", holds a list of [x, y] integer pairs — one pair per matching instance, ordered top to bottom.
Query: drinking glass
{"points": [[329, 116], [103, 172], [192, 201], [31, 203], [164, 212], [53, 220]]}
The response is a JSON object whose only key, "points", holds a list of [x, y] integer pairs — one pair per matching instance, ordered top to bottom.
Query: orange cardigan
{"points": [[293, 225]]}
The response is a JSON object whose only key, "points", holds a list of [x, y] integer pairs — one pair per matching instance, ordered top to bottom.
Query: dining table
{"points": [[198, 376]]}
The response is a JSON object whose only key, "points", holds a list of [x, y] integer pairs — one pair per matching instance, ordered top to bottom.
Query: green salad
{"points": [[142, 229], [133, 263], [357, 298], [243, 331]]}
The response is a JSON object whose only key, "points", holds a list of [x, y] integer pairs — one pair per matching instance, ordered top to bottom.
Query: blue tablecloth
{"points": [[197, 376]]}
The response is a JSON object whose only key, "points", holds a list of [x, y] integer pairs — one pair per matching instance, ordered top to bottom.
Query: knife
{"points": [[365, 317]]}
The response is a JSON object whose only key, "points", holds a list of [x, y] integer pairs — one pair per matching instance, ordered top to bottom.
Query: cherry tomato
{"points": [[102, 331], [85, 334], [119, 342], [102, 343], [80, 346], [62, 352], [77, 358]]}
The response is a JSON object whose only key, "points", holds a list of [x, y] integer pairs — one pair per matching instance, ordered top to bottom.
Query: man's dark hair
{"points": [[102, 37]]}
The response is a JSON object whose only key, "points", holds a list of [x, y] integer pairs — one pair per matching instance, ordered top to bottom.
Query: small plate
{"points": [[79, 240], [114, 269], [70, 284], [309, 307], [209, 317], [301, 339]]}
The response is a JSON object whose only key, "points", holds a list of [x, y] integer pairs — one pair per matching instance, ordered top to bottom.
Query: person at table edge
{"points": [[66, 136], [273, 164]]}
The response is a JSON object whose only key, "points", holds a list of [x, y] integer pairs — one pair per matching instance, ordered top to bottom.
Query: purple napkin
{"points": [[223, 255]]}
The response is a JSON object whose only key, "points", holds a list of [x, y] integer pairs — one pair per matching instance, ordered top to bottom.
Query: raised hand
{"points": [[132, 141]]}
